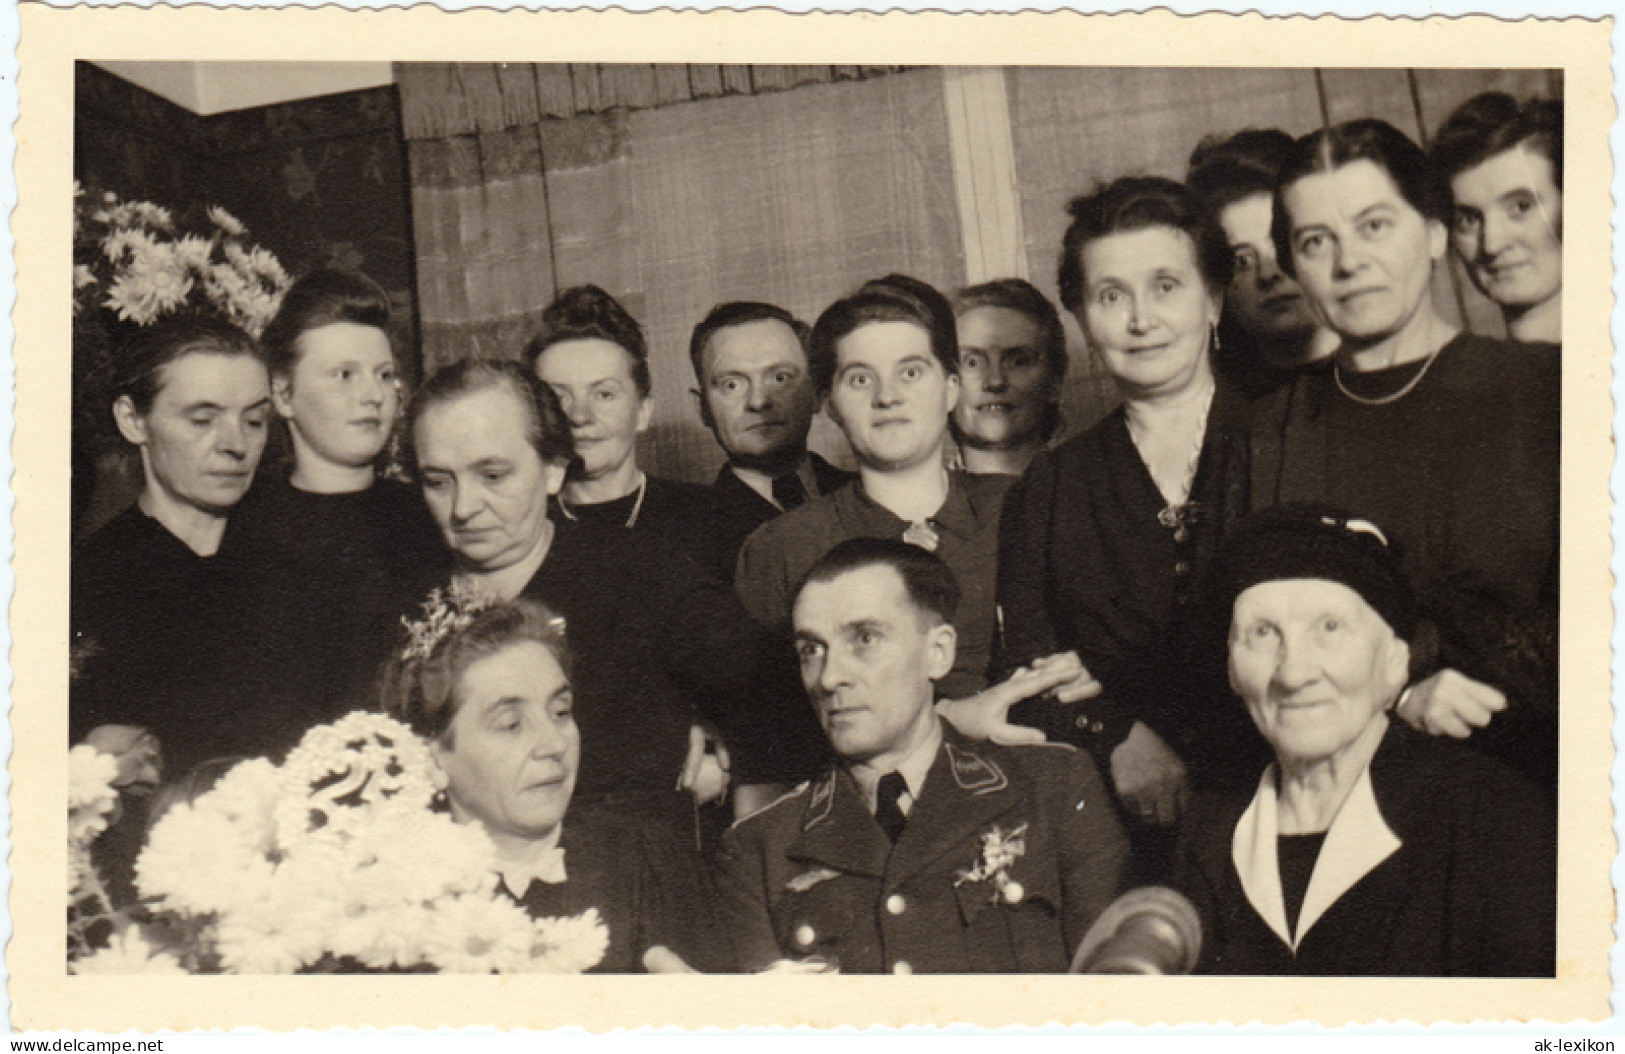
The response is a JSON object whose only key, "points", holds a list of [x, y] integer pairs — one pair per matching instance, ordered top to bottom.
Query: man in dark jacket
{"points": [[758, 398], [919, 850]]}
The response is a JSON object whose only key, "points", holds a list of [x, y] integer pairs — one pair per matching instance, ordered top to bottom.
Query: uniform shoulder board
{"points": [[975, 773], [799, 790]]}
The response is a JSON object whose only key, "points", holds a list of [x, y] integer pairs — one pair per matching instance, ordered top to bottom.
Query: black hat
{"points": [[1315, 541]]}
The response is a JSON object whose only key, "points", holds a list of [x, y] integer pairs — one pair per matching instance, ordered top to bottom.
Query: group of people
{"points": [[1280, 631]]}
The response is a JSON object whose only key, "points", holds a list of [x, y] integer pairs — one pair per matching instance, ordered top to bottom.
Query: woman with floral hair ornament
{"points": [[334, 553], [488, 685]]}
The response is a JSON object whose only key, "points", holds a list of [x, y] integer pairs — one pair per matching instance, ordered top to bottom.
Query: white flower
{"points": [[149, 215], [226, 221], [121, 241], [193, 251], [83, 276], [154, 283], [90, 777], [91, 795], [213, 854], [478, 934], [572, 945], [128, 952]]}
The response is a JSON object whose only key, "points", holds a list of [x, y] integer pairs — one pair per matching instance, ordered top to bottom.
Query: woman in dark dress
{"points": [[591, 352], [1449, 440], [1105, 539], [334, 555], [156, 615], [659, 643], [489, 687], [1366, 847]]}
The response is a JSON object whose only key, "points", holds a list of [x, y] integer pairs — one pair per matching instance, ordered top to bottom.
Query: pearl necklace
{"points": [[1384, 400], [637, 506], [1173, 513]]}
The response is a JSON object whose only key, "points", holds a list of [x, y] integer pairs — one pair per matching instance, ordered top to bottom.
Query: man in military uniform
{"points": [[921, 850]]}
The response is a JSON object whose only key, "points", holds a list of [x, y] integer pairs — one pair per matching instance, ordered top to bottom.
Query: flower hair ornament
{"points": [[445, 612]]}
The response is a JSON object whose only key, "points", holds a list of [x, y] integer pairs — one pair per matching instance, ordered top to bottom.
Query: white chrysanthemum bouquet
{"points": [[135, 259], [334, 861]]}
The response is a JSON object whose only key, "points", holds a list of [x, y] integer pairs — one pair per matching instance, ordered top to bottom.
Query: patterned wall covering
{"points": [[320, 182]]}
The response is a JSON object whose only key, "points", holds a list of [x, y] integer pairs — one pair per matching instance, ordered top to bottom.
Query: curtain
{"points": [[1076, 127], [678, 187], [794, 197]]}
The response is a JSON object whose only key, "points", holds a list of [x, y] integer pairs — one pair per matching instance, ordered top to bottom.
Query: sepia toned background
{"points": [[473, 192]]}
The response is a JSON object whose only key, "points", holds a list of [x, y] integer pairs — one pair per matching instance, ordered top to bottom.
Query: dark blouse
{"points": [[1462, 473], [685, 515], [779, 554], [1087, 564], [329, 577], [158, 639], [658, 643], [1297, 854], [617, 865]]}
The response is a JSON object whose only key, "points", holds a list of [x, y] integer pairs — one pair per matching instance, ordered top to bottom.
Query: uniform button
{"points": [[1182, 568], [1082, 721], [1097, 727], [895, 904], [805, 935], [901, 968]]}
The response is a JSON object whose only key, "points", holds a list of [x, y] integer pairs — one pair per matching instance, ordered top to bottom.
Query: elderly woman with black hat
{"points": [[1368, 848]]}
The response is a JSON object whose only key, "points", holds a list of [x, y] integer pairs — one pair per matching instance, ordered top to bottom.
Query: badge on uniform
{"points": [[975, 773], [1000, 851], [808, 879]]}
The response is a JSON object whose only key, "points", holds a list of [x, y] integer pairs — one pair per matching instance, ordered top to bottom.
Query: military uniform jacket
{"points": [[812, 876]]}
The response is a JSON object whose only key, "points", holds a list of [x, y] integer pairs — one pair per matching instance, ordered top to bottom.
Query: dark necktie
{"points": [[789, 491], [888, 810]]}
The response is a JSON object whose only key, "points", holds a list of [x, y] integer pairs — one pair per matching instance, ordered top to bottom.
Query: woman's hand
{"points": [[1450, 704], [985, 715], [705, 769], [1149, 777], [661, 959]]}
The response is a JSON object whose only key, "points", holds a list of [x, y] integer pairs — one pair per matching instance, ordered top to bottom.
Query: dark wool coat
{"points": [[743, 510], [1454, 875]]}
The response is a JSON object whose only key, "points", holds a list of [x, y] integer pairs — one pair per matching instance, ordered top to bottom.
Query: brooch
{"points": [[922, 533], [999, 852]]}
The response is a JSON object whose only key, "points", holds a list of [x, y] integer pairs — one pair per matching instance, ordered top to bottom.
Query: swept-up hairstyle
{"points": [[1492, 123], [1365, 139], [1225, 169], [1135, 203], [894, 298], [319, 299], [586, 312], [139, 371]]}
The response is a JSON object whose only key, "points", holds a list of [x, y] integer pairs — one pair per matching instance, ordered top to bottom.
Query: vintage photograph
{"points": [[817, 520]]}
